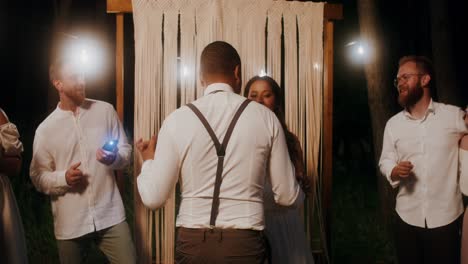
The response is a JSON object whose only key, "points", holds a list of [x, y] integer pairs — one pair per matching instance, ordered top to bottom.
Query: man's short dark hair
{"points": [[219, 57], [423, 64]]}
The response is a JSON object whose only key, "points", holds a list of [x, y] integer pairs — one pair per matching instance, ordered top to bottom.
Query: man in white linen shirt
{"points": [[186, 153], [420, 157], [69, 165]]}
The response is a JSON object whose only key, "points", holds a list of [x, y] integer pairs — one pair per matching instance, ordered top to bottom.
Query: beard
{"points": [[77, 96], [412, 96]]}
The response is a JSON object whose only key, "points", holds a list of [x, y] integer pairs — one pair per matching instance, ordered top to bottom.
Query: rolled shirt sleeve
{"points": [[124, 149], [389, 157], [42, 170], [159, 176], [285, 188]]}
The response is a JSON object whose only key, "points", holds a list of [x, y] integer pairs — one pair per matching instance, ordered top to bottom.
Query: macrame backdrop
{"points": [[169, 38]]}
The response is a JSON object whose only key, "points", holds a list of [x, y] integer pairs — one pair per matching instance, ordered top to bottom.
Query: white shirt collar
{"points": [[218, 87], [80, 109], [430, 109]]}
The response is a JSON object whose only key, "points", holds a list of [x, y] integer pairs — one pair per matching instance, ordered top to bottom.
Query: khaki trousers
{"points": [[115, 242]]}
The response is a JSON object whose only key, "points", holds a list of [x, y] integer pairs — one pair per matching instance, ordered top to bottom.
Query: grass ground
{"points": [[359, 233]]}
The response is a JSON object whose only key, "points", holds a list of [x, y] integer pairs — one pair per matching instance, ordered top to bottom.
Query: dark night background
{"points": [[360, 231]]}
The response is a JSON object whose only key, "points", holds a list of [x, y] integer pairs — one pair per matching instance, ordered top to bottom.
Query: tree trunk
{"points": [[442, 51], [380, 97]]}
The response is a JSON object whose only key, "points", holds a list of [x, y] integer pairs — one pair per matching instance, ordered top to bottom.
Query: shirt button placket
{"points": [[425, 170], [89, 190]]}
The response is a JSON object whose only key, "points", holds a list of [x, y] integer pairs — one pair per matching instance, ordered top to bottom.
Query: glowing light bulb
{"points": [[360, 50], [84, 57]]}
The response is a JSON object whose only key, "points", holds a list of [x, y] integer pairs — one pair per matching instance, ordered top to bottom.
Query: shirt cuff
{"points": [[62, 179], [393, 183]]}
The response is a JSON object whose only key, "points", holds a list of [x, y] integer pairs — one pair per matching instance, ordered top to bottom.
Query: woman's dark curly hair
{"points": [[291, 140]]}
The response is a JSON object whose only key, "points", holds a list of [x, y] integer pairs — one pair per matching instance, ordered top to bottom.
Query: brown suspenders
{"points": [[220, 151]]}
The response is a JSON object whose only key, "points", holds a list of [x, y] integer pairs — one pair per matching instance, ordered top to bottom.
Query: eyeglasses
{"points": [[405, 77]]}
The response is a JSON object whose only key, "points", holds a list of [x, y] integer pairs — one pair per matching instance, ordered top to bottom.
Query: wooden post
{"points": [[331, 12], [119, 65], [119, 84], [327, 169]]}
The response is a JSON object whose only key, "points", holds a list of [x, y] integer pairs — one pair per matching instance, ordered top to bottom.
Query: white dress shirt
{"points": [[63, 139], [431, 145], [257, 149]]}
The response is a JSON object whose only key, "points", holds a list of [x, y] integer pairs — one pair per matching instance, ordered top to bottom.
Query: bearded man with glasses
{"points": [[420, 158]]}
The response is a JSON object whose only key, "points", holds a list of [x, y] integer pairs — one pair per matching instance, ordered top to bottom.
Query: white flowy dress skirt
{"points": [[12, 240]]}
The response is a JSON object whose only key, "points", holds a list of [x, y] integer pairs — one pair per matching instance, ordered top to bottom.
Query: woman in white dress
{"points": [[284, 226], [12, 242]]}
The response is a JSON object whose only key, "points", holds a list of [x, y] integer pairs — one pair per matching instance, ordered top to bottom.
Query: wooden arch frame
{"points": [[331, 12]]}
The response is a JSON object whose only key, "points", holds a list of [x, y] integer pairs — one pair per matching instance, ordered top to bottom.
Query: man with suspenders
{"points": [[221, 148]]}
